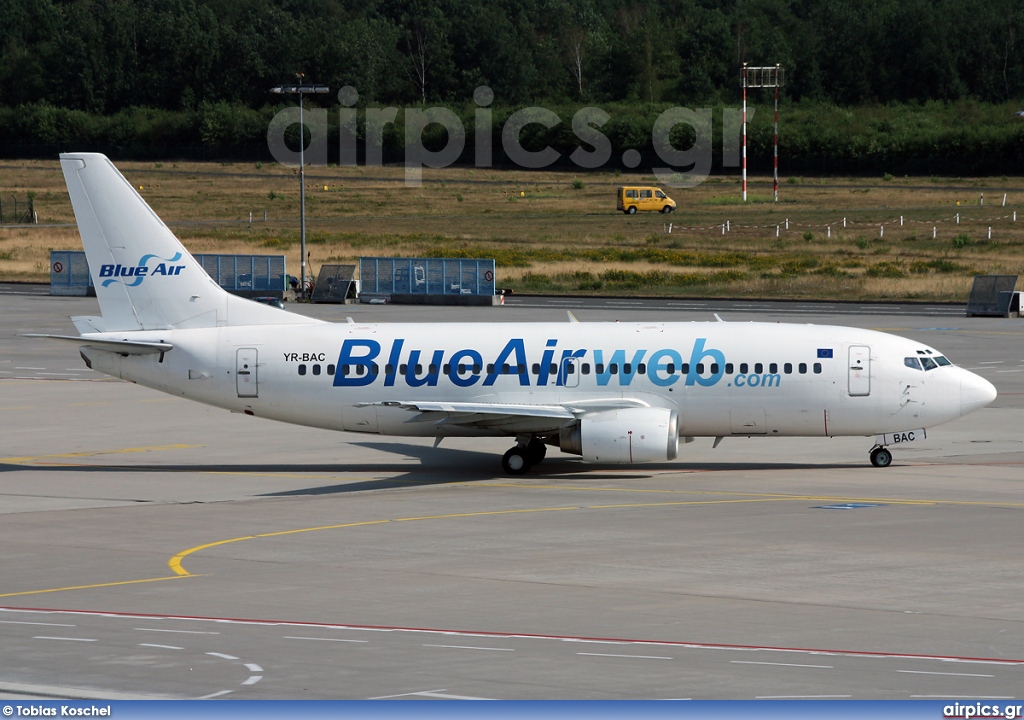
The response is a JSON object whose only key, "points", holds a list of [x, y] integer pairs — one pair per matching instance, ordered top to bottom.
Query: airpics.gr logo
{"points": [[115, 273]]}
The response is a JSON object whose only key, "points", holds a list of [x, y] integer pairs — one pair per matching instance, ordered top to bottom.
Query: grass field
{"points": [[557, 232]]}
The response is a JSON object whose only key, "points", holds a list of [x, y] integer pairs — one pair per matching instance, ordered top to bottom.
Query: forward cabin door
{"points": [[860, 370], [245, 372]]}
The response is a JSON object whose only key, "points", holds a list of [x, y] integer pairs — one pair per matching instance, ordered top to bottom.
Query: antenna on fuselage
{"points": [[572, 318]]}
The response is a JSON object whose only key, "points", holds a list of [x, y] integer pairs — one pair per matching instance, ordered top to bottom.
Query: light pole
{"points": [[300, 89]]}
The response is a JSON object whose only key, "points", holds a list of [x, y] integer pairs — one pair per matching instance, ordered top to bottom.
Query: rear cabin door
{"points": [[860, 370], [245, 372]]}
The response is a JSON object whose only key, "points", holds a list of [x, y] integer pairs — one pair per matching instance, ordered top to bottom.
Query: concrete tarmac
{"points": [[154, 547]]}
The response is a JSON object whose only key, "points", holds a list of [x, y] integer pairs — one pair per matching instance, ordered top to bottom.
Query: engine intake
{"points": [[629, 435]]}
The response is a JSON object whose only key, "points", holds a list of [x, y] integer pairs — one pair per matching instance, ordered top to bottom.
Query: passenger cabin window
{"points": [[912, 362], [728, 368], [744, 368], [758, 368], [788, 368], [803, 368], [817, 368], [302, 369], [316, 369], [330, 369]]}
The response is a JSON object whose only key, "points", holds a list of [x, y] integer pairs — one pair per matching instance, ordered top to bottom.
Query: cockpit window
{"points": [[942, 360], [912, 362], [928, 363]]}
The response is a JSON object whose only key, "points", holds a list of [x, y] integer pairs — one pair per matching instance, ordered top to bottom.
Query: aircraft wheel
{"points": [[536, 451], [880, 457], [515, 461]]}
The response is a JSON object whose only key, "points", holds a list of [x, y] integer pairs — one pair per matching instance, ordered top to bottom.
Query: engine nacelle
{"points": [[629, 435]]}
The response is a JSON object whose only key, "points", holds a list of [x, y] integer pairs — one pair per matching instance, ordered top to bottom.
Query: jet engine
{"points": [[629, 435]]}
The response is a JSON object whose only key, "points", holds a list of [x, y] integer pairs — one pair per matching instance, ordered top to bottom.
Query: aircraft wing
{"points": [[122, 347], [512, 417]]}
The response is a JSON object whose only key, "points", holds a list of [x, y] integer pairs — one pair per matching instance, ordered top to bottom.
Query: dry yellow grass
{"points": [[539, 225]]}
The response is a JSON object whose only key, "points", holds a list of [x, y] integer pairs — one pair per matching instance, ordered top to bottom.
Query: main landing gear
{"points": [[523, 456], [880, 457]]}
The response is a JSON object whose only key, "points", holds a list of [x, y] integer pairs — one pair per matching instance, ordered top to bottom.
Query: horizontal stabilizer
{"points": [[89, 324], [122, 347]]}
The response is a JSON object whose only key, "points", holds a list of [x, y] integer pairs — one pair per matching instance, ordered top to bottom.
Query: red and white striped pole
{"points": [[744, 132], [776, 158]]}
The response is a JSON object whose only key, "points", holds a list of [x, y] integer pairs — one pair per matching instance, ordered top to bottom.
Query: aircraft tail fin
{"points": [[145, 278]]}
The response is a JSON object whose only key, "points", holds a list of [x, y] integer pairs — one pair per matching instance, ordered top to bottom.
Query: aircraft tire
{"points": [[536, 451], [880, 457], [515, 461]]}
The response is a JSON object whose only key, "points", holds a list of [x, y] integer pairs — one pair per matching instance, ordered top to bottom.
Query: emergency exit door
{"points": [[860, 370], [245, 372]]}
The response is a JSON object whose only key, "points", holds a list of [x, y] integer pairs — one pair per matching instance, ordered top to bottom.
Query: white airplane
{"points": [[609, 392]]}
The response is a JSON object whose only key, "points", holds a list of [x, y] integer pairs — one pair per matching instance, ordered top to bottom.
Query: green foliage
{"points": [[934, 79], [577, 184], [962, 240], [886, 270]]}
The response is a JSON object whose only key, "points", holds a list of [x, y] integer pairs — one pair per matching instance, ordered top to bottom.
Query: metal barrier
{"points": [[69, 273], [246, 274], [249, 275], [425, 276], [333, 283], [992, 295]]}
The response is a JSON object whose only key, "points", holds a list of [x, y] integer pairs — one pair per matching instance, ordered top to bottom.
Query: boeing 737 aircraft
{"points": [[609, 392]]}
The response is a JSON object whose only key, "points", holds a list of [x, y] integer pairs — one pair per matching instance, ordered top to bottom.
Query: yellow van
{"points": [[632, 199]]}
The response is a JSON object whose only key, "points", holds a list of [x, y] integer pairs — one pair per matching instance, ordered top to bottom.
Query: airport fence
{"points": [[249, 275], [426, 276]]}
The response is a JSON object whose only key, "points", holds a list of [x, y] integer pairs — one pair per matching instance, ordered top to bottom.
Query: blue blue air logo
{"points": [[120, 273], [362, 362]]}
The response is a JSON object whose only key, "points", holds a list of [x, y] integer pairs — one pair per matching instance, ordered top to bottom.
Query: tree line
{"points": [[106, 55], [126, 72]]}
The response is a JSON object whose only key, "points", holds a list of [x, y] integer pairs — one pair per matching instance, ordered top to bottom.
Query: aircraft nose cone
{"points": [[975, 393]]}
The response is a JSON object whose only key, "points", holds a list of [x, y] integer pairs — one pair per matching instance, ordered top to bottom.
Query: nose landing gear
{"points": [[880, 457]]}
